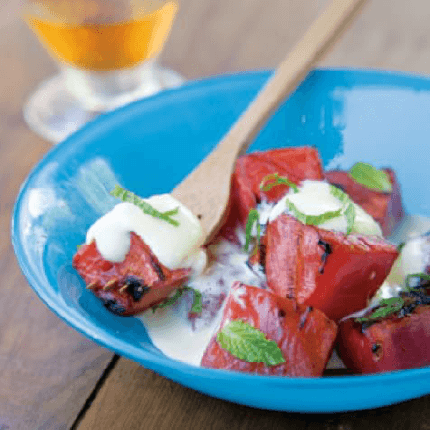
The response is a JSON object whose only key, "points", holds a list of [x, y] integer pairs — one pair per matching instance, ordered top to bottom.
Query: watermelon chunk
{"points": [[296, 164], [385, 208], [331, 271], [133, 285], [304, 335], [393, 343]]}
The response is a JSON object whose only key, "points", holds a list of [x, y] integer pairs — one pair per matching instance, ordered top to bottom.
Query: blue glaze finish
{"points": [[150, 145]]}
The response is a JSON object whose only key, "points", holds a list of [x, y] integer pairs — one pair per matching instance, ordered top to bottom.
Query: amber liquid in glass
{"points": [[109, 45]]}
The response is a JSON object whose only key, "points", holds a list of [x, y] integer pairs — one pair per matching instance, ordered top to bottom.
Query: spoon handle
{"points": [[317, 41], [205, 191]]}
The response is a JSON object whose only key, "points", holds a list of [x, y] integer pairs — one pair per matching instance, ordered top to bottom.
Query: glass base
{"points": [[54, 111]]}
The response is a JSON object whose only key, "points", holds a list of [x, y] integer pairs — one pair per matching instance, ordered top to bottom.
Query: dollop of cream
{"points": [[175, 246], [414, 258]]}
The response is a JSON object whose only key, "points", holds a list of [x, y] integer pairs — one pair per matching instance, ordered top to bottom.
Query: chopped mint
{"points": [[273, 179], [128, 196], [349, 206], [350, 217], [253, 218], [312, 219], [400, 246], [411, 276], [169, 301], [196, 307], [385, 308]]}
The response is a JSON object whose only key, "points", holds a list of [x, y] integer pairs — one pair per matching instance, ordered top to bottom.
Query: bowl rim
{"points": [[158, 361]]}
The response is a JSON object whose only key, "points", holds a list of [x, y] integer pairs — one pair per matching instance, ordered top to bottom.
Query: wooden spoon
{"points": [[205, 191]]}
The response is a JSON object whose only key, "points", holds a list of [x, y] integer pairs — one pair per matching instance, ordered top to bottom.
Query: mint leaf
{"points": [[371, 177], [273, 179], [129, 197], [253, 218], [249, 344]]}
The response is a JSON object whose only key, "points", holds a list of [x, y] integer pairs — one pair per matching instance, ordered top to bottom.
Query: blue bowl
{"points": [[149, 146]]}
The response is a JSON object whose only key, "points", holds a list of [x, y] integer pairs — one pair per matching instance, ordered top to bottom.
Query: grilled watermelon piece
{"points": [[296, 164], [385, 208], [331, 271], [132, 286], [304, 335], [394, 343]]}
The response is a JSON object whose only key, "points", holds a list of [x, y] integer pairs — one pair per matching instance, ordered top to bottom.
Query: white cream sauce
{"points": [[175, 246], [414, 256], [170, 329], [179, 339], [185, 339]]}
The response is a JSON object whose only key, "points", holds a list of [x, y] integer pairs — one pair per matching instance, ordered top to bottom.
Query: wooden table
{"points": [[53, 378]]}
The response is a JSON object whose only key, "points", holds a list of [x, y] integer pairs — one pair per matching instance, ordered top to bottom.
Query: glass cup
{"points": [[107, 52]]}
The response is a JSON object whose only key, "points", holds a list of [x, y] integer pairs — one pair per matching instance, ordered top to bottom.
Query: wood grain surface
{"points": [[47, 370], [53, 378]]}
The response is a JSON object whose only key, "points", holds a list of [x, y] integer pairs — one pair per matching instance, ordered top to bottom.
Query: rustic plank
{"points": [[235, 36], [392, 37], [47, 370], [134, 397], [145, 400], [411, 415]]}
